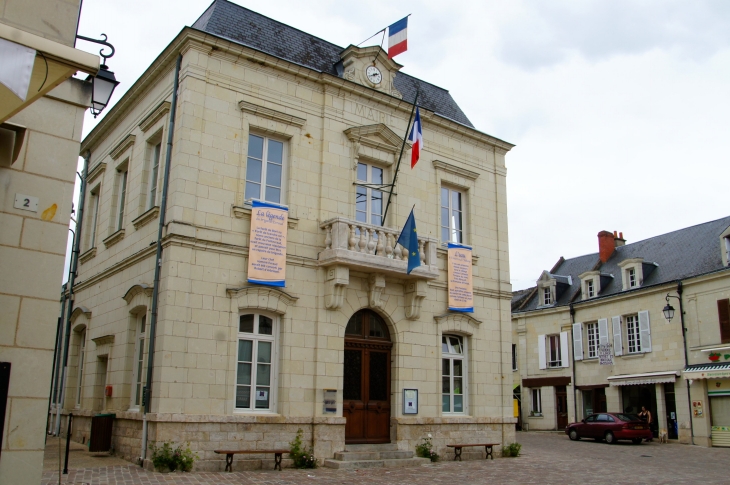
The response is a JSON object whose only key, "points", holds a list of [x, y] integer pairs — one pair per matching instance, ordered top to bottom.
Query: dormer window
{"points": [[727, 250], [634, 271], [631, 275], [592, 283], [590, 289], [547, 296]]}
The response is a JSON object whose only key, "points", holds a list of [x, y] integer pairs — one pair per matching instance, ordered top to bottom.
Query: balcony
{"points": [[372, 249]]}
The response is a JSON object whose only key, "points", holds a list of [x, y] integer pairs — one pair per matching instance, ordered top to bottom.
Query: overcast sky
{"points": [[618, 109]]}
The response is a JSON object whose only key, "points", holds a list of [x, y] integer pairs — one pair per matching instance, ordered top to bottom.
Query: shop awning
{"points": [[707, 371], [640, 379]]}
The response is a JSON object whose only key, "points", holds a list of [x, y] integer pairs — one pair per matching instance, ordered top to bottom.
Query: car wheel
{"points": [[574, 435], [610, 438], [636, 441]]}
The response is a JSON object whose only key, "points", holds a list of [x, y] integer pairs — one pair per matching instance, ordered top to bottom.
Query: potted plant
{"points": [[714, 357]]}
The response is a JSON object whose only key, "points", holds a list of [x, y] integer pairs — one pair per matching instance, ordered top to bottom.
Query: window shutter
{"points": [[723, 311], [645, 330], [602, 331], [577, 341], [618, 348], [564, 350], [541, 351]]}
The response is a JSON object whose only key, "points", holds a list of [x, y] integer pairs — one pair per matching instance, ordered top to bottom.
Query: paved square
{"points": [[547, 458]]}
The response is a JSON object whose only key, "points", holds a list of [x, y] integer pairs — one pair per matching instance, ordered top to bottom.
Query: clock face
{"points": [[373, 74]]}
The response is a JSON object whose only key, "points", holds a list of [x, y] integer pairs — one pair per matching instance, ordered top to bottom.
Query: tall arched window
{"points": [[82, 357], [139, 361], [256, 363]]}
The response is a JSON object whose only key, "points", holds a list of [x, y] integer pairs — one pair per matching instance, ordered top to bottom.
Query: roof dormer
{"points": [[369, 66], [725, 246], [634, 271], [592, 282], [550, 288]]}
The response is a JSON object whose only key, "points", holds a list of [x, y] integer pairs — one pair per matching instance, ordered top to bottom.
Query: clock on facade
{"points": [[373, 74]]}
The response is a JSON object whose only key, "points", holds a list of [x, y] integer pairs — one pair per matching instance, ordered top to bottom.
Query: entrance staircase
{"points": [[374, 456]]}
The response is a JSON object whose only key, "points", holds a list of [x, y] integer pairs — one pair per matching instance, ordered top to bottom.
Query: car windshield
{"points": [[627, 417]]}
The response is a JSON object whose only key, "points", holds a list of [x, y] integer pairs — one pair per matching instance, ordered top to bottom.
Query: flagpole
{"points": [[403, 146]]}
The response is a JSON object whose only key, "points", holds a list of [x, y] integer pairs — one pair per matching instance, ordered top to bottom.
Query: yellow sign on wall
{"points": [[267, 246], [461, 292]]}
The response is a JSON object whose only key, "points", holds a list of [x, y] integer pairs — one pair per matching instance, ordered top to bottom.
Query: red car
{"points": [[610, 427]]}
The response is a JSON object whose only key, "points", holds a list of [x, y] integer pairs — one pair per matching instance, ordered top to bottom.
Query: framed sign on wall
{"points": [[410, 401]]}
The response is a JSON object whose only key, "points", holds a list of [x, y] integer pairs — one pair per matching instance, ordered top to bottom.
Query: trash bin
{"points": [[101, 432]]}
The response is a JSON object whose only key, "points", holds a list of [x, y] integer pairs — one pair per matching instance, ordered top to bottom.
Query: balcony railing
{"points": [[373, 249]]}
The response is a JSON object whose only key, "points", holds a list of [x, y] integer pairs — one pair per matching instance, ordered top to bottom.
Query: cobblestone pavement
{"points": [[547, 458]]}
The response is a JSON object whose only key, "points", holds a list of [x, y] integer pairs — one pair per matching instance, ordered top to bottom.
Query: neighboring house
{"points": [[276, 114], [41, 115], [613, 301]]}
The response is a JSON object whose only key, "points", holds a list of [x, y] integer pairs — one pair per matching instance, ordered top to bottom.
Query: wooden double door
{"points": [[366, 387]]}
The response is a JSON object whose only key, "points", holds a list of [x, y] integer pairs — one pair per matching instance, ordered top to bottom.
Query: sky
{"points": [[619, 109]]}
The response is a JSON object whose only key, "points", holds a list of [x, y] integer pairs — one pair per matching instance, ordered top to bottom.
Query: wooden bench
{"points": [[487, 448], [229, 456]]}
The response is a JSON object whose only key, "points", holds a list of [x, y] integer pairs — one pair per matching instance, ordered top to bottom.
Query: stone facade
{"points": [[327, 124], [39, 147], [654, 372]]}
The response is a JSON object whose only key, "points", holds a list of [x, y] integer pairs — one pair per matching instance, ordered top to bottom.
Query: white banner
{"points": [[605, 356]]}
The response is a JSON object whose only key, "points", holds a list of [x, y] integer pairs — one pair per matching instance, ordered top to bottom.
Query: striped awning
{"points": [[707, 371], [640, 379]]}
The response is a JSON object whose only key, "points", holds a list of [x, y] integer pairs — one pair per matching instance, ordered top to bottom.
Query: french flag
{"points": [[397, 37], [416, 138]]}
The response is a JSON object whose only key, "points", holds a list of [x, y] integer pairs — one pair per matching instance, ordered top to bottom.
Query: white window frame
{"points": [[155, 155], [123, 174], [262, 181], [366, 188], [94, 206], [448, 227], [631, 276], [590, 289], [547, 296], [633, 334], [255, 338], [592, 340], [553, 350], [451, 354], [80, 367], [139, 369], [536, 401]]}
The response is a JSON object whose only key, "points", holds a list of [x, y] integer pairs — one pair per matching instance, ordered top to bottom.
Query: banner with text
{"points": [[267, 247], [461, 292]]}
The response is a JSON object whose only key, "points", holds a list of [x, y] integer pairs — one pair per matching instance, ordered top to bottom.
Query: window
{"points": [[155, 168], [264, 169], [122, 197], [368, 199], [452, 215], [93, 217], [631, 274], [590, 289], [547, 298], [723, 311], [592, 334], [633, 334], [554, 353], [514, 356], [82, 357], [255, 362], [139, 367], [453, 374], [536, 403]]}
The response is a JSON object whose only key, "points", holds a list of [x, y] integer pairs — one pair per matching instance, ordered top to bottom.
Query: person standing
{"points": [[645, 415]]}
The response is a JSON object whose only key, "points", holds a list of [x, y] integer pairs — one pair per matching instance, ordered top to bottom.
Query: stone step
{"points": [[373, 447], [373, 455], [389, 463]]}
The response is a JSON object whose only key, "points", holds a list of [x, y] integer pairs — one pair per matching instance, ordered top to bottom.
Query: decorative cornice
{"points": [[161, 110], [271, 114], [391, 141], [123, 146], [98, 169], [453, 169], [146, 217], [114, 238], [87, 255], [135, 290], [261, 297], [78, 311], [456, 318], [105, 340]]}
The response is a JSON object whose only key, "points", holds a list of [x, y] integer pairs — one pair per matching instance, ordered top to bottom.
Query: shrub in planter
{"points": [[425, 449], [511, 450], [302, 456], [166, 458]]}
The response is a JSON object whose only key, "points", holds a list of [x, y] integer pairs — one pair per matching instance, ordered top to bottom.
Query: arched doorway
{"points": [[366, 389]]}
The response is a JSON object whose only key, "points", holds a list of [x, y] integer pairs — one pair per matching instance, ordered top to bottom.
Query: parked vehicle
{"points": [[610, 427]]}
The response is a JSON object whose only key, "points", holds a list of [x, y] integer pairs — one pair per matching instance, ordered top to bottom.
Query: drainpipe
{"points": [[158, 262], [71, 279], [680, 290], [572, 344], [56, 356]]}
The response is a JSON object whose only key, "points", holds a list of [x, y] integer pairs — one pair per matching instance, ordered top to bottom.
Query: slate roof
{"points": [[243, 26], [681, 254]]}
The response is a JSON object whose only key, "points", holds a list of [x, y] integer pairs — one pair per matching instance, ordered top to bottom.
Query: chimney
{"points": [[619, 240], [606, 245]]}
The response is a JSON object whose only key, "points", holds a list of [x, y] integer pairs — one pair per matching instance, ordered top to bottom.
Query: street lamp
{"points": [[104, 82], [668, 309]]}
